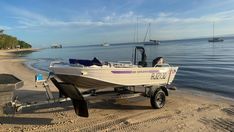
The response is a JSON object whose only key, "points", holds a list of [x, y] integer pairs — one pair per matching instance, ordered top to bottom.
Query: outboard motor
{"points": [[158, 60], [143, 62]]}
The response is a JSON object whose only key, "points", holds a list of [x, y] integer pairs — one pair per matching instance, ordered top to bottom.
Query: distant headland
{"points": [[11, 42]]}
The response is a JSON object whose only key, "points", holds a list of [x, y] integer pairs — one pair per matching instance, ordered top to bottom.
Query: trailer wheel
{"points": [[158, 99]]}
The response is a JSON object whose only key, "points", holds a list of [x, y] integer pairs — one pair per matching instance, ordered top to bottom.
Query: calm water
{"points": [[202, 66]]}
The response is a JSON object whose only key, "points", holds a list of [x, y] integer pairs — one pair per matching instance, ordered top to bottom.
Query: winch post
{"points": [[39, 79]]}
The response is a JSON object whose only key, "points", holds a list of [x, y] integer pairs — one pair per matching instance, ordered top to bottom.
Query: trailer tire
{"points": [[158, 99]]}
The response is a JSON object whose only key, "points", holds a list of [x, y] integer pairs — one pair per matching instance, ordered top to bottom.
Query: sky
{"points": [[82, 22]]}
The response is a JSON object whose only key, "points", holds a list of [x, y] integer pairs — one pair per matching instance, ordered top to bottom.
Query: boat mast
{"points": [[137, 30], [213, 30], [147, 32]]}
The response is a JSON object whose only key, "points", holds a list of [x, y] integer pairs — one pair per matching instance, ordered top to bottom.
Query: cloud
{"points": [[164, 14], [220, 16], [172, 18], [29, 19], [4, 27]]}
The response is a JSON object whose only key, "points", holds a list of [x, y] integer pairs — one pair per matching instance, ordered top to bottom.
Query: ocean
{"points": [[203, 66]]}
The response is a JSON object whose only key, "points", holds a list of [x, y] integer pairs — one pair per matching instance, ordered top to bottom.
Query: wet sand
{"points": [[184, 110]]}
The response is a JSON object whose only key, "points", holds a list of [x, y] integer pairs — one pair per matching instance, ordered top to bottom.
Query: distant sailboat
{"points": [[215, 39], [150, 42], [105, 44], [56, 46]]}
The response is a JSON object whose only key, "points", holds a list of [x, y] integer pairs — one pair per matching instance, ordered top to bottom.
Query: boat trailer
{"points": [[70, 92]]}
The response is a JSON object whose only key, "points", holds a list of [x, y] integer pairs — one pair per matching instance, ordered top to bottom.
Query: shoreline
{"points": [[20, 50], [12, 55], [30, 66], [205, 93], [185, 110]]}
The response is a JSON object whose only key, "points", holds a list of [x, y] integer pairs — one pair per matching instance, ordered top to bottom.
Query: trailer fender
{"points": [[154, 89], [164, 89]]}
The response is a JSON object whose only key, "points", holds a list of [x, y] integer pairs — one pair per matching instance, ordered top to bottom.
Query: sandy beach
{"points": [[184, 110]]}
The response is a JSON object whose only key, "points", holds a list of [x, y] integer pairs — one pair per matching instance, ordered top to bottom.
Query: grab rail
{"points": [[56, 62]]}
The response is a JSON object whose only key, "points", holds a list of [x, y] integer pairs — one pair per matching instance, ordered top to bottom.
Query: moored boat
{"points": [[216, 40], [152, 42], [105, 44], [56, 46]]}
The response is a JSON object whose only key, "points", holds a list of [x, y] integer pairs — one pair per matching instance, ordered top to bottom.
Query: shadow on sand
{"points": [[130, 104], [25, 121]]}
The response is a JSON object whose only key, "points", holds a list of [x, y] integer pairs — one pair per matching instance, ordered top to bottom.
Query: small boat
{"points": [[152, 42], [105, 44], [56, 46], [93, 74], [81, 79]]}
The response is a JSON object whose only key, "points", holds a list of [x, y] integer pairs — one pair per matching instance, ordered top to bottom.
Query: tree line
{"points": [[10, 42]]}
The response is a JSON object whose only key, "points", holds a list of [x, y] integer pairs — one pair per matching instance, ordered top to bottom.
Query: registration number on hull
{"points": [[156, 76]]}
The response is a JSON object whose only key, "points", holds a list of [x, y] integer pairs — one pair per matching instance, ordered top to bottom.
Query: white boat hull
{"points": [[100, 77]]}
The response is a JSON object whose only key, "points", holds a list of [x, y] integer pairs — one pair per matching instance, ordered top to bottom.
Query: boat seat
{"points": [[95, 61]]}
